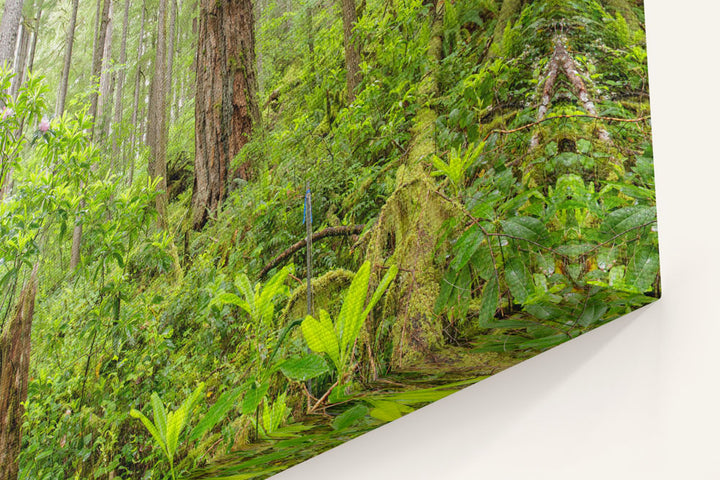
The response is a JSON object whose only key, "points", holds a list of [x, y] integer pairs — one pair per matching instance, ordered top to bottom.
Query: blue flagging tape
{"points": [[305, 204]]}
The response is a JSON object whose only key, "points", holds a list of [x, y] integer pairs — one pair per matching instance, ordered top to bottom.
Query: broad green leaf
{"points": [[624, 219], [527, 228], [466, 246], [575, 250], [483, 261], [643, 269], [616, 275], [242, 282], [540, 282], [520, 283], [447, 287], [272, 288], [377, 294], [232, 299], [489, 301], [353, 305], [546, 311], [592, 313], [314, 334], [321, 336], [330, 336], [546, 342], [304, 368], [254, 396], [278, 411], [388, 411], [216, 413], [159, 416], [349, 417], [179, 418], [151, 428], [173, 432]]}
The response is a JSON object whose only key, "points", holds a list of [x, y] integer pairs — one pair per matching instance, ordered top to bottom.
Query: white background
{"points": [[636, 399]]}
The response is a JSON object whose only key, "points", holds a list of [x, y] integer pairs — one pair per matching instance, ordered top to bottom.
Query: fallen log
{"points": [[328, 232]]}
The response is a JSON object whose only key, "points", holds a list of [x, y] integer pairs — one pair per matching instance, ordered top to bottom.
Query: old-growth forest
{"points": [[236, 234]]}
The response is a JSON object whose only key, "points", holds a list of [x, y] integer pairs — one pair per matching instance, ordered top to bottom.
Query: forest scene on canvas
{"points": [[235, 234]]}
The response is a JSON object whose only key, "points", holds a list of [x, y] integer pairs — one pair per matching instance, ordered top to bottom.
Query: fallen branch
{"points": [[557, 117], [328, 232]]}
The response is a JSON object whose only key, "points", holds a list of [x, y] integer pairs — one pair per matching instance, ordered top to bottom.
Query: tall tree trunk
{"points": [[9, 30], [172, 30], [35, 35], [70, 40], [98, 49], [352, 54], [21, 59], [97, 62], [107, 78], [120, 83], [173, 94], [136, 98], [226, 108], [157, 117], [14, 372]]}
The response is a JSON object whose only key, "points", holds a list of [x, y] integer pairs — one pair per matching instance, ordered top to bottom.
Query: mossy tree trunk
{"points": [[408, 231], [14, 371]]}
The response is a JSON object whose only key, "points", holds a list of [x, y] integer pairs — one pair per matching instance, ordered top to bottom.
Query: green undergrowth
{"points": [[498, 251]]}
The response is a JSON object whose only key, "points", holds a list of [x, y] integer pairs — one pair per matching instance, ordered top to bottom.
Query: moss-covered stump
{"points": [[407, 235]]}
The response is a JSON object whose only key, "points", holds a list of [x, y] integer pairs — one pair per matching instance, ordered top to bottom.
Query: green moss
{"points": [[407, 234]]}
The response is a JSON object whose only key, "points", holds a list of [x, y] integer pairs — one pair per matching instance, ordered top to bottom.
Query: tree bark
{"points": [[172, 29], [9, 30], [35, 35], [70, 40], [98, 49], [352, 54], [21, 59], [97, 62], [107, 82], [136, 98], [226, 108], [117, 121], [156, 125], [14, 372]]}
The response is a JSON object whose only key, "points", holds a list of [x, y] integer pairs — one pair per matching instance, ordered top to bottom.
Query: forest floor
{"points": [[389, 397]]}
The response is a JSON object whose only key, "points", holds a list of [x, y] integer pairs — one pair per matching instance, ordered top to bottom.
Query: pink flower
{"points": [[7, 112], [44, 125]]}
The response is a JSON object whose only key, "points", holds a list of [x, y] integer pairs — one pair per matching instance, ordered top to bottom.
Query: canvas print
{"points": [[235, 234]]}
